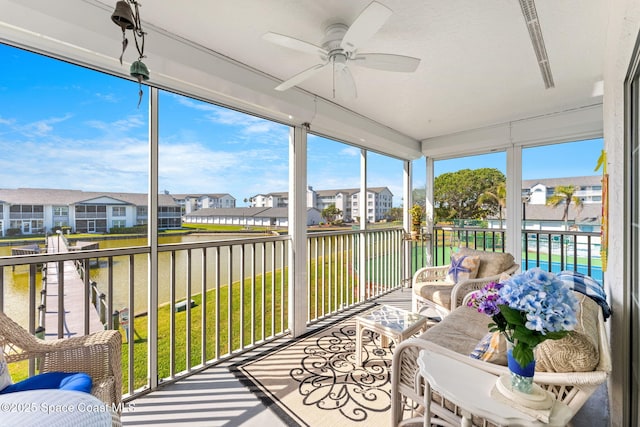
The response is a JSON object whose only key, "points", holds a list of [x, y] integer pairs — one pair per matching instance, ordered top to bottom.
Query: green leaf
{"points": [[512, 316], [556, 335], [523, 354]]}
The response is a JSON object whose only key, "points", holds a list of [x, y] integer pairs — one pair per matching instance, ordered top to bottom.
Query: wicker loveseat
{"points": [[430, 288], [98, 355], [571, 368]]}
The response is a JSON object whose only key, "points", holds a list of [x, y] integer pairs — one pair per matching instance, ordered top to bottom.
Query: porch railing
{"points": [[550, 250], [216, 298], [221, 298]]}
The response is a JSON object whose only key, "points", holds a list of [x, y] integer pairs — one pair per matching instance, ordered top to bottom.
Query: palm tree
{"points": [[565, 194], [496, 197]]}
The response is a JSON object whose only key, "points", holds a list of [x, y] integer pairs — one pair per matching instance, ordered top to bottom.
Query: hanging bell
{"points": [[123, 17], [139, 70]]}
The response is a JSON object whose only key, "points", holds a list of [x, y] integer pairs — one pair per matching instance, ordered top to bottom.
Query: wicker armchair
{"points": [[430, 290], [97, 355]]}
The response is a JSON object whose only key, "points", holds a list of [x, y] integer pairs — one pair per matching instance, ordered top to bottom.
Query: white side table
{"points": [[391, 323], [470, 388]]}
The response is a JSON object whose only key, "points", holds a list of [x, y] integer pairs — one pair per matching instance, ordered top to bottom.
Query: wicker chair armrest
{"points": [[431, 274], [97, 354], [555, 378]]}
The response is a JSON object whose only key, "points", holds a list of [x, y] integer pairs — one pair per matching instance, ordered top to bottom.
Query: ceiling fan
{"points": [[339, 50]]}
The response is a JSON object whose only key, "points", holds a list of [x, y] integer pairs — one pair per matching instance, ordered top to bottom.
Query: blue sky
{"points": [[62, 126]]}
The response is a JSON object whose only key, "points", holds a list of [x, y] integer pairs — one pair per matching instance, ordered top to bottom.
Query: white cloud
{"points": [[108, 97], [122, 125], [249, 125], [40, 127], [350, 151]]}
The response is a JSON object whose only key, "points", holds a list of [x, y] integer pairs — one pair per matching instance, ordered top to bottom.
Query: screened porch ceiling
{"points": [[478, 67]]}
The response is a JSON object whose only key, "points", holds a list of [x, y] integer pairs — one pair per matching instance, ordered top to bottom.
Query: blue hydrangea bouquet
{"points": [[527, 309]]}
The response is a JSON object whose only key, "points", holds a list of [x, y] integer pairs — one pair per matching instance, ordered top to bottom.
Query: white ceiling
{"points": [[478, 66]]}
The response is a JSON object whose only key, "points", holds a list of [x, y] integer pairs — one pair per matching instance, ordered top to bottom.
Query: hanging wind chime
{"points": [[129, 19]]}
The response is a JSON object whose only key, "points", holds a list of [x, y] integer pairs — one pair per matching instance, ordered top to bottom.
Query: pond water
{"points": [[17, 281]]}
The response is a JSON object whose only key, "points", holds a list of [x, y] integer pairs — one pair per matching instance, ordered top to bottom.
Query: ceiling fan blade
{"points": [[366, 24], [293, 43], [386, 62], [300, 77], [343, 84]]}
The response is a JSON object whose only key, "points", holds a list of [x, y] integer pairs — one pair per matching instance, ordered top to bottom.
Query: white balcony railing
{"points": [[216, 298]]}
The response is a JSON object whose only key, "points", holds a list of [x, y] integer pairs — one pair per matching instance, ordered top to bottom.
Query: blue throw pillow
{"points": [[53, 380]]}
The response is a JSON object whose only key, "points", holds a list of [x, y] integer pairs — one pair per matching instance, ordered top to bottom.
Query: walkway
{"points": [[74, 297]]}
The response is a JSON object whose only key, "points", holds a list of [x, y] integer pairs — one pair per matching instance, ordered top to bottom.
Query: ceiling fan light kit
{"points": [[339, 49]]}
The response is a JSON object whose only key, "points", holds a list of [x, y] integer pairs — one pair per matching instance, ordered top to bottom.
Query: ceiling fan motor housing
{"points": [[333, 39], [340, 47]]}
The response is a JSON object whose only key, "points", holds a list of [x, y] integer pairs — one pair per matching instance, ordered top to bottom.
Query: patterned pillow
{"points": [[462, 267], [491, 348], [579, 350], [5, 377]]}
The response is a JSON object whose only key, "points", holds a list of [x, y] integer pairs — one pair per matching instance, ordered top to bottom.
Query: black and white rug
{"points": [[315, 381]]}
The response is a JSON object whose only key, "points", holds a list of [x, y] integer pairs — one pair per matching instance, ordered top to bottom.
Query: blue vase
{"points": [[521, 377]]}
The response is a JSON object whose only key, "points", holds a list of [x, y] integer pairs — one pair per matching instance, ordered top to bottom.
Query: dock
{"points": [[74, 294]]}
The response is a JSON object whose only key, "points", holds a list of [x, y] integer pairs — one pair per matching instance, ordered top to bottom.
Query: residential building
{"points": [[537, 191], [270, 200], [379, 201], [194, 202], [39, 210], [537, 215], [252, 216]]}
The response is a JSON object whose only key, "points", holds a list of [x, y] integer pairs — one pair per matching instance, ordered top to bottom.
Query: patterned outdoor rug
{"points": [[315, 381]]}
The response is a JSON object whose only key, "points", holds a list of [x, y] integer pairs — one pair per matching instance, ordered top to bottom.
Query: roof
{"points": [[555, 182], [329, 193], [273, 194], [198, 195], [50, 196], [251, 212], [587, 213]]}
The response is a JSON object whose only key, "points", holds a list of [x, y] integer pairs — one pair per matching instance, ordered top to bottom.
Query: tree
{"points": [[456, 194], [565, 194], [494, 201], [330, 213], [394, 214]]}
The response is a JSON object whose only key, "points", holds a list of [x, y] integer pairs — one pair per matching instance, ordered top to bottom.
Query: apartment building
{"points": [[537, 191], [270, 200], [194, 202], [378, 202], [38, 210], [537, 215]]}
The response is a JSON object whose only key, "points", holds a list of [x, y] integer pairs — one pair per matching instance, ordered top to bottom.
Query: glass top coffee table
{"points": [[391, 323]]}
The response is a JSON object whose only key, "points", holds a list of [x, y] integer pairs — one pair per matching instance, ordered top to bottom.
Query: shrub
{"points": [[136, 229], [14, 231]]}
